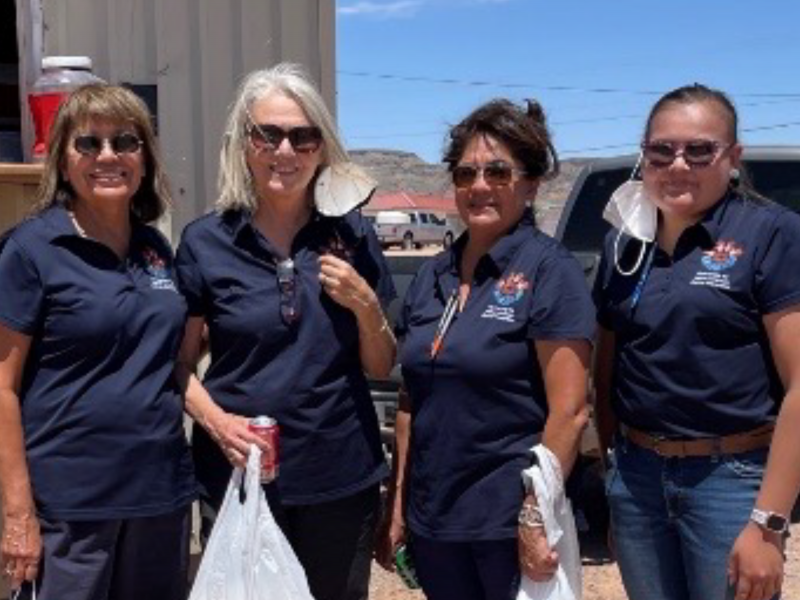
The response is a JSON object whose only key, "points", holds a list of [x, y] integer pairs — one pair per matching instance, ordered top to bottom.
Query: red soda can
{"points": [[267, 429]]}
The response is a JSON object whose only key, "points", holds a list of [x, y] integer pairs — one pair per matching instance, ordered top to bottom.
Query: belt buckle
{"points": [[657, 439]]}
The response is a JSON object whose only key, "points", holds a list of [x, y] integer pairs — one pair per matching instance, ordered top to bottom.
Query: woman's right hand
{"points": [[233, 435], [391, 535], [21, 548]]}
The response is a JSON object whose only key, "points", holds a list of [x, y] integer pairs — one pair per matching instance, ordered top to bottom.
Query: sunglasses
{"points": [[304, 139], [121, 143], [696, 154], [495, 173], [287, 285]]}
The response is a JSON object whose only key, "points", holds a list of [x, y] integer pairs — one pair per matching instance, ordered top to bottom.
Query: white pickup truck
{"points": [[414, 228]]}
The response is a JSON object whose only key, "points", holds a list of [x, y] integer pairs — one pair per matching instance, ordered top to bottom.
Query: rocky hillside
{"points": [[398, 171]]}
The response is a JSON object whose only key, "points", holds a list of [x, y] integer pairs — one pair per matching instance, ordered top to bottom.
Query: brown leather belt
{"points": [[729, 444]]}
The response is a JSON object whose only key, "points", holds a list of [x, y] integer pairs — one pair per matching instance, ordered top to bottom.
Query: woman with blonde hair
{"points": [[290, 280]]}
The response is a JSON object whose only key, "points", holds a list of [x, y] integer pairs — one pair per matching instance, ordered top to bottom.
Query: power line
{"points": [[551, 88], [588, 121], [621, 146]]}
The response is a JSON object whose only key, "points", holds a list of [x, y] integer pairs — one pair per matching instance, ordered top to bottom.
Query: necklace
{"points": [[81, 231]]}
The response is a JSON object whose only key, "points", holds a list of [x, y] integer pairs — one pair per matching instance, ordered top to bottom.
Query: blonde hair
{"points": [[105, 103], [235, 182]]}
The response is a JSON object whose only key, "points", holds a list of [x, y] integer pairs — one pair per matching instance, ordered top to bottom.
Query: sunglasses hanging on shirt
{"points": [[287, 286]]}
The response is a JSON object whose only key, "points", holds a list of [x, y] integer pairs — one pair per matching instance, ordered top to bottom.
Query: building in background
{"points": [[184, 57]]}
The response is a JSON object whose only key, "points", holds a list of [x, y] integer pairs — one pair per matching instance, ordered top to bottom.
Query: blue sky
{"points": [[406, 69]]}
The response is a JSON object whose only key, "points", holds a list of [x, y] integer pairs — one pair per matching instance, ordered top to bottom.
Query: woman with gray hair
{"points": [[290, 281]]}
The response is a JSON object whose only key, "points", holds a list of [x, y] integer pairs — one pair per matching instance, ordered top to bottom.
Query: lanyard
{"points": [[637, 291], [444, 323]]}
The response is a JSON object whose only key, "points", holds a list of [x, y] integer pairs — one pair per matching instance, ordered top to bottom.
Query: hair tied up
{"points": [[535, 111]]}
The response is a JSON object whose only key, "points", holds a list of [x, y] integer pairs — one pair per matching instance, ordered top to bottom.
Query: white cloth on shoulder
{"points": [[545, 480]]}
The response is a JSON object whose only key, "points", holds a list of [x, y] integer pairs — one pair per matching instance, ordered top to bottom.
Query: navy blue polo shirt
{"points": [[692, 356], [306, 373], [479, 405], [101, 409]]}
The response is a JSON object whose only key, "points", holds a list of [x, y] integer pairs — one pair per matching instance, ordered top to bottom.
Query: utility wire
{"points": [[551, 88], [621, 146]]}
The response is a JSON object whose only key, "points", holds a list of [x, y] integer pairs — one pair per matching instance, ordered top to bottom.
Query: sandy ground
{"points": [[601, 579]]}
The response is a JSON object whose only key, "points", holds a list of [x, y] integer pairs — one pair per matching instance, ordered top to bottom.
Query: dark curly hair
{"points": [[523, 130]]}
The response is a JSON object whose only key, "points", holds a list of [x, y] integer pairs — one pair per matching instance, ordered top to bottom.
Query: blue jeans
{"points": [[675, 520]]}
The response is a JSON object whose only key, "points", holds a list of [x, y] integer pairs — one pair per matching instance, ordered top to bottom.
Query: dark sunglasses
{"points": [[304, 139], [121, 143], [696, 153], [496, 172], [287, 286]]}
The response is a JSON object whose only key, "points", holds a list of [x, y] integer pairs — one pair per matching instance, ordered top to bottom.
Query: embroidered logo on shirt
{"points": [[720, 258], [156, 268], [507, 291]]}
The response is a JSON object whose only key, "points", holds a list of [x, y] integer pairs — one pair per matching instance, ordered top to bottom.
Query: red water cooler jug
{"points": [[60, 75]]}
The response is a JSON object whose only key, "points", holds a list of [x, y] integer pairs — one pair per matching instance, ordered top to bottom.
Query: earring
{"points": [[735, 178]]}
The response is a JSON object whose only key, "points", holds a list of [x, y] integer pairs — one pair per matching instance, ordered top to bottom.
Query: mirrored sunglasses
{"points": [[303, 139], [121, 143], [696, 153], [495, 173], [287, 286]]}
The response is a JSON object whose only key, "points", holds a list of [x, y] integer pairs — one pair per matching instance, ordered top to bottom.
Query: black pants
{"points": [[333, 540], [122, 559], [483, 570]]}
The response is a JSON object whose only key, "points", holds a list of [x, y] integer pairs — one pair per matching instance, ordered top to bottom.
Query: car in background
{"points": [[413, 228]]}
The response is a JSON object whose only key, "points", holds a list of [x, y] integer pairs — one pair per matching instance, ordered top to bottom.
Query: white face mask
{"points": [[341, 189], [632, 212]]}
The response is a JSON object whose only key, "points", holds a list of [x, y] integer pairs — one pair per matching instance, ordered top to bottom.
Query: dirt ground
{"points": [[601, 579]]}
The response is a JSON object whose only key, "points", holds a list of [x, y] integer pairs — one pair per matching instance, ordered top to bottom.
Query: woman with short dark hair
{"points": [[495, 339]]}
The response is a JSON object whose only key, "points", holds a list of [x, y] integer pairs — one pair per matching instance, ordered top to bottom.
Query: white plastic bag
{"points": [[545, 479], [247, 556], [18, 592]]}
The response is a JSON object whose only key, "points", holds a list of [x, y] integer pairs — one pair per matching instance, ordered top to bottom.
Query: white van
{"points": [[413, 228]]}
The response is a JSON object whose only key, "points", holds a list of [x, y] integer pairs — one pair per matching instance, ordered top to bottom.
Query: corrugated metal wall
{"points": [[195, 52]]}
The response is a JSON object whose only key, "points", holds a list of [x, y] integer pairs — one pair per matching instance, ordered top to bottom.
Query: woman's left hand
{"points": [[344, 285], [536, 560], [755, 565]]}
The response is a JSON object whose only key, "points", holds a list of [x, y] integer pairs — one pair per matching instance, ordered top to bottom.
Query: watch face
{"points": [[775, 523]]}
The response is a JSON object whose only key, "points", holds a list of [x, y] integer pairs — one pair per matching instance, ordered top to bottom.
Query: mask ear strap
{"points": [[637, 167], [616, 257]]}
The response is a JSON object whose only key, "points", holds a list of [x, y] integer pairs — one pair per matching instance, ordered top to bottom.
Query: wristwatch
{"points": [[771, 521]]}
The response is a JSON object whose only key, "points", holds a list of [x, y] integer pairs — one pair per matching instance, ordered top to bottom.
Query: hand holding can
{"points": [[267, 429]]}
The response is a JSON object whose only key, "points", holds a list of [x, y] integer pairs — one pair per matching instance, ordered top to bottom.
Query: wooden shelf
{"points": [[21, 173]]}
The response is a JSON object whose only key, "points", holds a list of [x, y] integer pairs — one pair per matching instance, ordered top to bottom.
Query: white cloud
{"points": [[401, 8]]}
